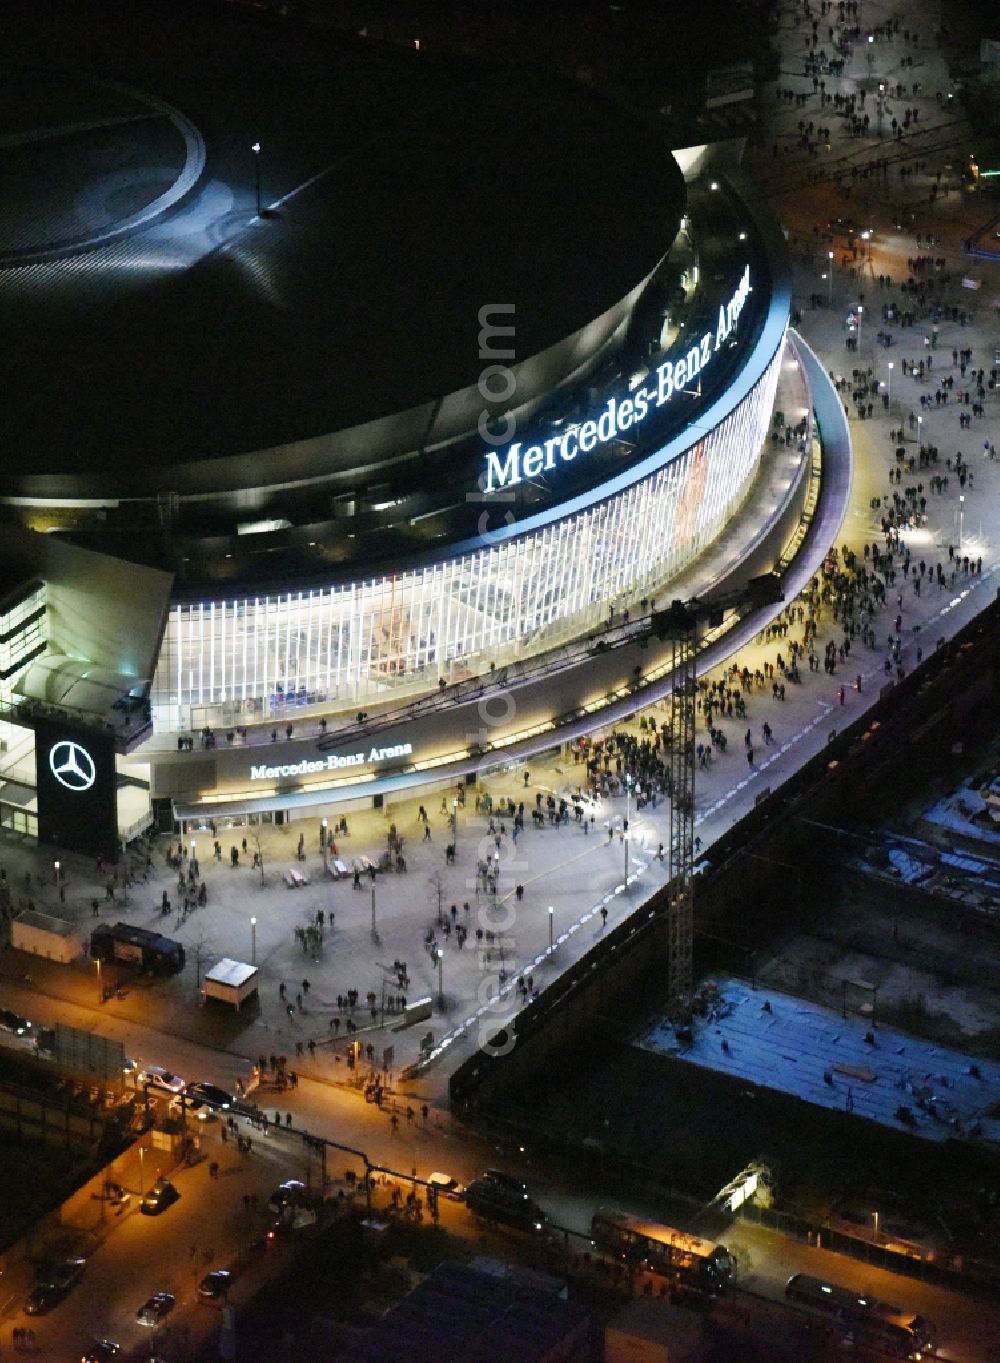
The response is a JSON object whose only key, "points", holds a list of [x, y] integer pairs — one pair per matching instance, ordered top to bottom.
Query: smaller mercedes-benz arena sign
{"points": [[77, 788]]}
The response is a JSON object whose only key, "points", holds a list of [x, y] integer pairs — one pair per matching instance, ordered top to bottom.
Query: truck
{"points": [[129, 945]]}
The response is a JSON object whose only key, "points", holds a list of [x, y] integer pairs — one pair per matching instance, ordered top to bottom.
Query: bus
{"points": [[700, 1265], [872, 1322]]}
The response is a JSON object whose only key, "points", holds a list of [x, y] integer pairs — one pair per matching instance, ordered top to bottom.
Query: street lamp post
{"points": [[256, 173], [829, 275], [860, 311], [889, 382], [920, 422], [961, 519], [628, 820], [454, 821], [322, 834], [55, 870], [551, 915], [374, 928], [253, 941], [440, 966], [100, 981]]}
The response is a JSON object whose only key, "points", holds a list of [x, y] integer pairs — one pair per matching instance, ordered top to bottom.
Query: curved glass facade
{"points": [[241, 658]]}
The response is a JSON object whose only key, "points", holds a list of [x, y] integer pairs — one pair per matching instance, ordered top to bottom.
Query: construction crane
{"points": [[679, 626]]}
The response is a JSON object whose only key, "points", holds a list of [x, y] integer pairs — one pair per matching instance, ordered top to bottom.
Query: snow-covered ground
{"points": [[957, 812], [804, 1049]]}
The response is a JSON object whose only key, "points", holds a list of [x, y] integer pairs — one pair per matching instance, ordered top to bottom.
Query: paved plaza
{"points": [[579, 873]]}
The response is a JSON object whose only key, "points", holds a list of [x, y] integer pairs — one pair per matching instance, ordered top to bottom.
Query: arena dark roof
{"points": [[413, 191]]}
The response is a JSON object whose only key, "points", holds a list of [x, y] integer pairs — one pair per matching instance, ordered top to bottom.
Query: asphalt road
{"points": [[209, 1225], [171, 1252]]}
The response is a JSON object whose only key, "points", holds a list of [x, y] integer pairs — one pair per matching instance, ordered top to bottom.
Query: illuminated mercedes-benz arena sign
{"points": [[620, 414], [417, 437], [260, 771]]}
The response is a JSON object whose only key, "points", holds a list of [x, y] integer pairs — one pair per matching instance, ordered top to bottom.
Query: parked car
{"points": [[13, 1022], [159, 1078], [212, 1095], [445, 1184], [289, 1191], [162, 1195], [54, 1282], [215, 1285], [43, 1298], [156, 1310], [102, 1351]]}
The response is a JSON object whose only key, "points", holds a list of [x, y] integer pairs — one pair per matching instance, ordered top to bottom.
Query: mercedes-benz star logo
{"points": [[72, 766]]}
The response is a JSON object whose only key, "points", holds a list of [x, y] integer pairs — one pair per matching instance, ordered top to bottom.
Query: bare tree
{"points": [[435, 883], [201, 947]]}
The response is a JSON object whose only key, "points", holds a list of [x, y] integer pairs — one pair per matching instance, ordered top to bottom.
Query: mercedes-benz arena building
{"points": [[405, 368], [610, 489]]}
